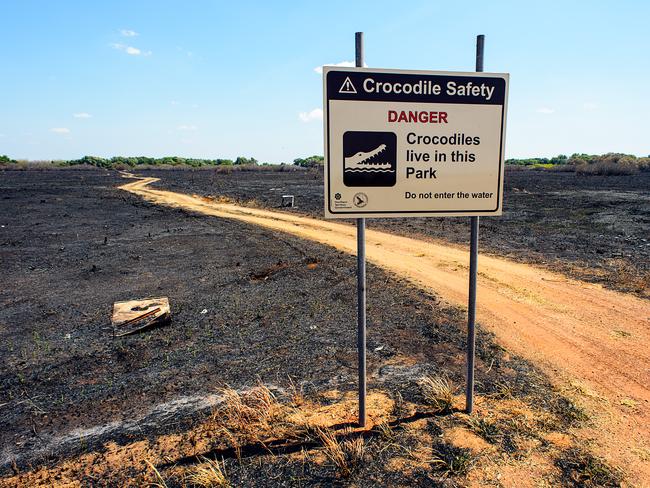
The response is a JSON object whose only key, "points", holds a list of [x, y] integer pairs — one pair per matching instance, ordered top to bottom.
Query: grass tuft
{"points": [[503, 391], [438, 393], [296, 394], [399, 408], [239, 411], [569, 412], [485, 429], [386, 432], [345, 455], [448, 460], [581, 469], [209, 474]]}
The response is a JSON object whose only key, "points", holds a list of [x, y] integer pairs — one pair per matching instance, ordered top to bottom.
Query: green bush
{"points": [[241, 161], [309, 162]]}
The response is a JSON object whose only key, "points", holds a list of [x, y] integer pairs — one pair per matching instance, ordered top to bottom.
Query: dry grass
{"points": [[608, 167], [629, 274], [502, 391], [438, 393], [296, 394], [399, 406], [240, 411], [251, 416], [256, 416], [488, 430], [386, 432], [419, 449], [345, 455], [447, 460], [581, 469], [209, 474], [161, 482]]}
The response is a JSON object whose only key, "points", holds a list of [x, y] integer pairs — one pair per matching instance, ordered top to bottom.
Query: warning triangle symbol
{"points": [[347, 86]]}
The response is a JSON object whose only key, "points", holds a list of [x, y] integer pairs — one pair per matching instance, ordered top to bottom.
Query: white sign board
{"points": [[413, 143]]}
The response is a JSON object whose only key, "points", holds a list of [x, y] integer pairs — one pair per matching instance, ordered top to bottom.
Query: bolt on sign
{"points": [[413, 143]]}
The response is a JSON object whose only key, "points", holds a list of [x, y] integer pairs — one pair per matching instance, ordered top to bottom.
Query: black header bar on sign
{"points": [[407, 87]]}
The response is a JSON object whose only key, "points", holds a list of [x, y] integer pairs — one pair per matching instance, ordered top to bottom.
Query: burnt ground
{"points": [[593, 228], [248, 305]]}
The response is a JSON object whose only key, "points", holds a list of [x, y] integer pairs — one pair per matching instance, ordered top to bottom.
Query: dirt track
{"points": [[592, 340]]}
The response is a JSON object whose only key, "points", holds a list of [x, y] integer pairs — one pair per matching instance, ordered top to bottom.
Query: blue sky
{"points": [[222, 79]]}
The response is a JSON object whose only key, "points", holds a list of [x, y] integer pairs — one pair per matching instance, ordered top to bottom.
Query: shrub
{"points": [[241, 161], [309, 162], [643, 164], [608, 167]]}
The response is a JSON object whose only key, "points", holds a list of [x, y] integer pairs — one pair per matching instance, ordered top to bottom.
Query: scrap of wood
{"points": [[136, 315]]}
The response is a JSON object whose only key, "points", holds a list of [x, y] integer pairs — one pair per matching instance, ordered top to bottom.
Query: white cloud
{"points": [[129, 33], [133, 51], [342, 64], [174, 102], [590, 105], [545, 110], [316, 114], [82, 115], [187, 127], [60, 130]]}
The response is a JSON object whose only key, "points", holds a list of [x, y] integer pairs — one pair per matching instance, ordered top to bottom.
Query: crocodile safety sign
{"points": [[413, 143]]}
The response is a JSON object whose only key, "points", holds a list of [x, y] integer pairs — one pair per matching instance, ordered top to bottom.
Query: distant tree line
{"points": [[561, 159], [133, 161], [166, 161], [604, 164]]}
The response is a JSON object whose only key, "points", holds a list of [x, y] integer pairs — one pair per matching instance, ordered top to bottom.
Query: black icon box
{"points": [[369, 158]]}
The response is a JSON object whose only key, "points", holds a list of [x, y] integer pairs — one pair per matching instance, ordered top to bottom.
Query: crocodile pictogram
{"points": [[364, 160]]}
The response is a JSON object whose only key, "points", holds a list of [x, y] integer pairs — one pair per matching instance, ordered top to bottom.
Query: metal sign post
{"points": [[407, 143], [473, 263], [361, 278]]}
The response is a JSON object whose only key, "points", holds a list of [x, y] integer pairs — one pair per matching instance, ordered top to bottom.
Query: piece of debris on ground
{"points": [[137, 315]]}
